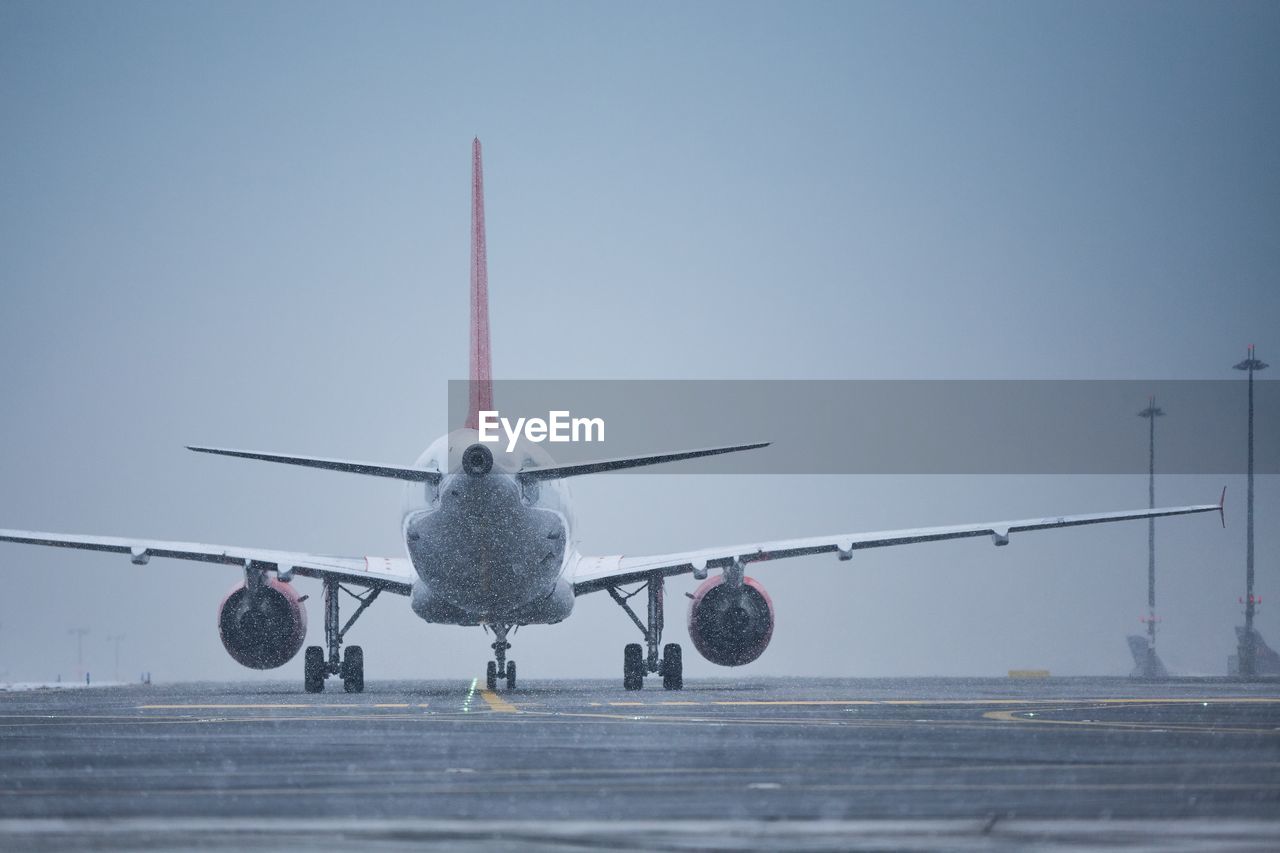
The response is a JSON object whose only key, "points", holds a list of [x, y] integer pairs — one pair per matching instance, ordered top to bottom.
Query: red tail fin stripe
{"points": [[481, 377]]}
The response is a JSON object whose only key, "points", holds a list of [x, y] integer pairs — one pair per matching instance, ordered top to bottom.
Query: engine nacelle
{"points": [[729, 625], [264, 630]]}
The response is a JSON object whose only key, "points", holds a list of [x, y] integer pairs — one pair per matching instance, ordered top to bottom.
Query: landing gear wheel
{"points": [[632, 667], [672, 667], [313, 670], [353, 670], [511, 675], [491, 676]]}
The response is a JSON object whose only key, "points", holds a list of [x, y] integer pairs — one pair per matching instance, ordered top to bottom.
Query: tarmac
{"points": [[1045, 763]]}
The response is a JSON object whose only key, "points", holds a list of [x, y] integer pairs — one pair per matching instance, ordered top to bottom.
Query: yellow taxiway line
{"points": [[497, 703], [274, 706], [1012, 716]]}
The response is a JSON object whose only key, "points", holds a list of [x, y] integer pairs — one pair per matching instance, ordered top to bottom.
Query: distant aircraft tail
{"points": [[481, 378], [1265, 659], [1147, 663]]}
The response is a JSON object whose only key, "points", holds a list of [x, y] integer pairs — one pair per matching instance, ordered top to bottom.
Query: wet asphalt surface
{"points": [[984, 752]]}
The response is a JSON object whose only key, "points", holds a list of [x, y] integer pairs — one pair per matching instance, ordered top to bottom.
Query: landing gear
{"points": [[636, 663], [350, 667], [632, 667], [672, 667], [500, 669], [353, 670], [313, 679]]}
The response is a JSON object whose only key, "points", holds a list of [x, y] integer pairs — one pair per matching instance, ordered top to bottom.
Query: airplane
{"points": [[488, 542]]}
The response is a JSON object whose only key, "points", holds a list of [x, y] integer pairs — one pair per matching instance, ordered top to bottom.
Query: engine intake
{"points": [[731, 625], [265, 629]]}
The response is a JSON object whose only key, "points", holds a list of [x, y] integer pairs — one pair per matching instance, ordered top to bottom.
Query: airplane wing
{"points": [[389, 573], [596, 573]]}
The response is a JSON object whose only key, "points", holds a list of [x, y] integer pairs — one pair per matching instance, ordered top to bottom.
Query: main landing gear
{"points": [[636, 663], [349, 666], [500, 667]]}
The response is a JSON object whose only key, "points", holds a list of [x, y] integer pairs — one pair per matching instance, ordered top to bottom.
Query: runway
{"points": [[943, 758]]}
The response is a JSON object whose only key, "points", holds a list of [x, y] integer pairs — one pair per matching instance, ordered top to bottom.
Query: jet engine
{"points": [[731, 625], [265, 628]]}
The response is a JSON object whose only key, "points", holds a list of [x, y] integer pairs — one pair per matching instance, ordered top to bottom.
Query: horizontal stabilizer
{"points": [[373, 469], [557, 472]]}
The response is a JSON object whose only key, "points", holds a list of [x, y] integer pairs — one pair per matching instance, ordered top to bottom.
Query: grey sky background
{"points": [[247, 225]]}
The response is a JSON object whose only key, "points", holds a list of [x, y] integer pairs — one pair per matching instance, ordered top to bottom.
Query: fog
{"points": [[247, 226]]}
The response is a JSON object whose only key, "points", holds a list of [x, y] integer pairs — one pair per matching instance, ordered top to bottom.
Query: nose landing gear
{"points": [[500, 667]]}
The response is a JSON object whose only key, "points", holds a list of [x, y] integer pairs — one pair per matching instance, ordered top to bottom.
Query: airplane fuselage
{"points": [[486, 547]]}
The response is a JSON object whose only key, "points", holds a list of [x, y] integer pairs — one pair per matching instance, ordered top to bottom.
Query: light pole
{"points": [[1151, 412], [79, 633], [116, 638], [1248, 643]]}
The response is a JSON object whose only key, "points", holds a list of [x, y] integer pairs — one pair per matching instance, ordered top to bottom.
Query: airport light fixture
{"points": [[1151, 412], [1248, 642]]}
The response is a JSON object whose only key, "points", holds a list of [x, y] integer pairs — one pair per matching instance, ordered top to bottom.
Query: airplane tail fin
{"points": [[481, 377], [1265, 659], [1146, 663]]}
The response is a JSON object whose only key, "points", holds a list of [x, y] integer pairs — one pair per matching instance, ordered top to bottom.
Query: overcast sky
{"points": [[246, 224]]}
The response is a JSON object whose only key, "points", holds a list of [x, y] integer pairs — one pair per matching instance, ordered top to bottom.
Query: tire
{"points": [[632, 667], [672, 667], [313, 670], [353, 670], [511, 675], [491, 676]]}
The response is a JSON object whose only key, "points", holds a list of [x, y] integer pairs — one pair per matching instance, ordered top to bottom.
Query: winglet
{"points": [[1222, 503]]}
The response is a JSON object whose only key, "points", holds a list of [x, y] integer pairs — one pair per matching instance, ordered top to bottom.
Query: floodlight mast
{"points": [[1151, 412], [79, 633], [116, 638], [1248, 643]]}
